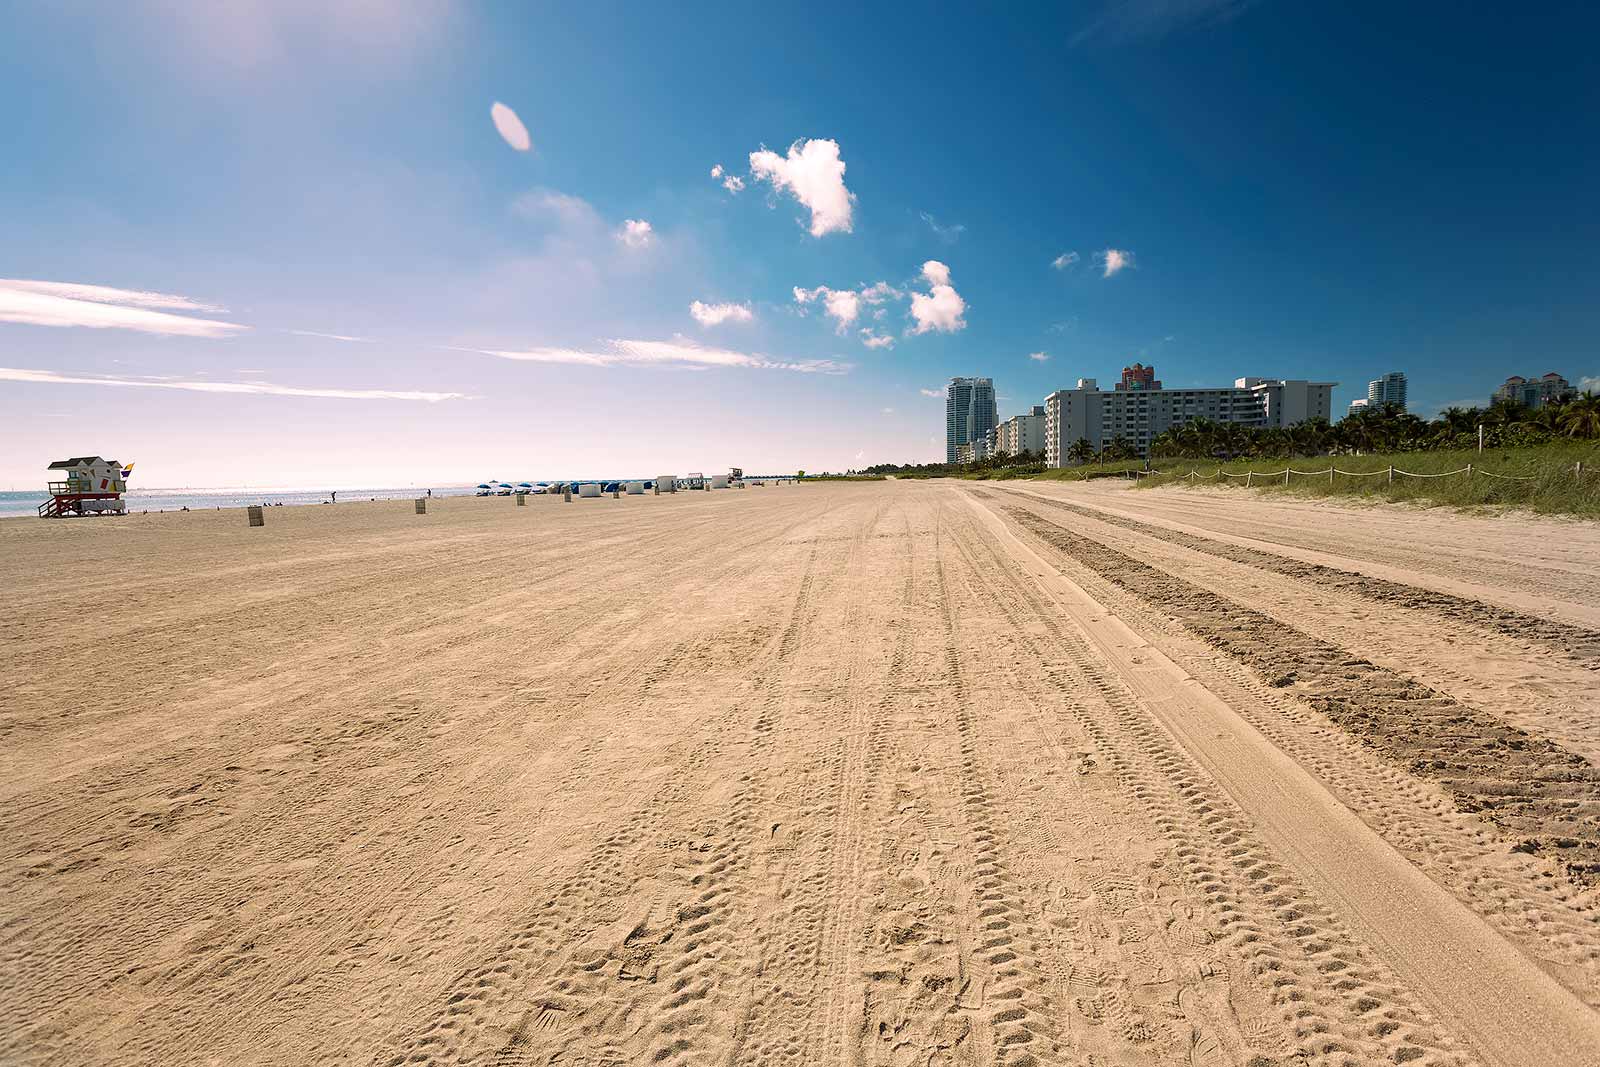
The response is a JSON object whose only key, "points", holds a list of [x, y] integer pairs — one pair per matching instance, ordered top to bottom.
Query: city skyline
{"points": [[346, 245]]}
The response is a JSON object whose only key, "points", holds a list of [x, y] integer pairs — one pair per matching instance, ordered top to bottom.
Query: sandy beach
{"points": [[873, 773]]}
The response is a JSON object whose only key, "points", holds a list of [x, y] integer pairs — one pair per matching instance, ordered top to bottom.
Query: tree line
{"points": [[1506, 424]]}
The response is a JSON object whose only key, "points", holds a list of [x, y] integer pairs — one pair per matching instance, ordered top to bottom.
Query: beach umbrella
{"points": [[483, 485]]}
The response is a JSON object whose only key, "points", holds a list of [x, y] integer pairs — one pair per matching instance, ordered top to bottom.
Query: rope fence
{"points": [[1250, 477]]}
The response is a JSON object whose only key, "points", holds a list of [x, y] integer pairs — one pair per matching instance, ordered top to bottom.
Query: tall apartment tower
{"points": [[1388, 391], [969, 413]]}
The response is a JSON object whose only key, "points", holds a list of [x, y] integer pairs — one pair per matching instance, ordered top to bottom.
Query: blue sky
{"points": [[1287, 191]]}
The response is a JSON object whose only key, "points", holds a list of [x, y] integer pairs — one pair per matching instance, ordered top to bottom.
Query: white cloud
{"points": [[510, 127], [716, 171], [814, 174], [731, 182], [636, 233], [948, 234], [1114, 259], [1064, 260], [878, 292], [38, 303], [842, 305], [941, 308], [716, 314], [329, 336], [875, 340], [680, 352], [1039, 357], [15, 374], [1590, 383], [936, 394], [886, 411]]}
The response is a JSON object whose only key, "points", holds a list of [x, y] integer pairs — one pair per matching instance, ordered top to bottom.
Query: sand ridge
{"points": [[877, 774]]}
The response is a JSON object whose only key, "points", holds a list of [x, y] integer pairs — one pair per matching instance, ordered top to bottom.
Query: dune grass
{"points": [[1553, 484]]}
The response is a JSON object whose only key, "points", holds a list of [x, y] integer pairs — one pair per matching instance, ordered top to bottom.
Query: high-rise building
{"points": [[1136, 377], [1388, 391], [1535, 392], [1357, 405], [969, 413], [1138, 416]]}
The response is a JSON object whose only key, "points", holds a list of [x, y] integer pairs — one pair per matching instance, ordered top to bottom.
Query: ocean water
{"points": [[27, 503]]}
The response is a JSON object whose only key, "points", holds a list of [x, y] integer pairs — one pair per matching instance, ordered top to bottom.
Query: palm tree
{"points": [[1580, 417], [1081, 451]]}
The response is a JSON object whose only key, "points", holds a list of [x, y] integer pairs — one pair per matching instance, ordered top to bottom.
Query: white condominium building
{"points": [[1388, 391], [1139, 415], [1021, 433]]}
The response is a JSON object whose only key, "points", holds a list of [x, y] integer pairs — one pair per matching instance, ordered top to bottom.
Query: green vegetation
{"points": [[1504, 425], [1531, 458], [1546, 459], [1554, 483]]}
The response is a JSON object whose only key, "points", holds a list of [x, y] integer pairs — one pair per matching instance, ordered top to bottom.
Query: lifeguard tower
{"points": [[93, 486]]}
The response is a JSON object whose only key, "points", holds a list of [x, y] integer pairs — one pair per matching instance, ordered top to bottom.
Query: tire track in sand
{"points": [[1491, 995]]}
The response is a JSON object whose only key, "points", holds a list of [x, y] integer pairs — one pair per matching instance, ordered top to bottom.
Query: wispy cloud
{"points": [[1121, 21], [510, 127], [813, 174], [564, 208], [948, 234], [1064, 260], [1114, 260], [40, 303], [941, 308], [716, 314], [330, 336], [872, 339], [679, 351], [1039, 357], [17, 374], [1590, 383], [936, 394], [886, 411]]}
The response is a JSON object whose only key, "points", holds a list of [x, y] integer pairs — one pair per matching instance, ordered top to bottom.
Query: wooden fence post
{"points": [[1391, 474], [1248, 475], [1286, 476]]}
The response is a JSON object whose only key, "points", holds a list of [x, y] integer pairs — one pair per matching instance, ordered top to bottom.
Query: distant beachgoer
{"points": [[430, 493], [335, 497]]}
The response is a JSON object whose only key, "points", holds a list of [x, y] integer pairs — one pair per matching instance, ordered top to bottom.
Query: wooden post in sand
{"points": [[566, 493], [615, 494], [522, 500], [422, 505], [255, 515]]}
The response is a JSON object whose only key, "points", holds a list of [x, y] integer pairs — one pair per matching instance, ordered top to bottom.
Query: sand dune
{"points": [[899, 773]]}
